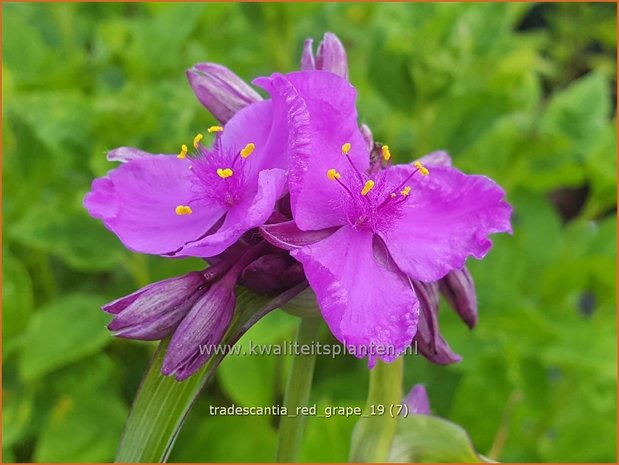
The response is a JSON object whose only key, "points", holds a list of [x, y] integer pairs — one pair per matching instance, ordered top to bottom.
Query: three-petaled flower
{"points": [[374, 231]]}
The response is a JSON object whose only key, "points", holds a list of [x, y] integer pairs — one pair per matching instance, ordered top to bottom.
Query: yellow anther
{"points": [[213, 129], [197, 139], [346, 148], [247, 150], [183, 152], [386, 152], [422, 169], [224, 173], [332, 174], [369, 185], [406, 191], [183, 210]]}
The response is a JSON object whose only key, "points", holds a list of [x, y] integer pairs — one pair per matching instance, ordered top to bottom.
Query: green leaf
{"points": [[580, 112], [70, 234], [17, 300], [63, 332], [251, 380], [17, 411], [82, 429], [424, 438], [210, 440], [7, 455]]}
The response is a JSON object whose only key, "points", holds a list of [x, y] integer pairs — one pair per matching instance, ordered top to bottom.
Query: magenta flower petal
{"points": [[221, 91], [330, 101], [125, 154], [137, 202], [251, 212], [447, 218], [288, 236], [369, 306]]}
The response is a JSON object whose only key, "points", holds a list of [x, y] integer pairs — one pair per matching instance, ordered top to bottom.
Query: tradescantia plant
{"points": [[290, 192]]}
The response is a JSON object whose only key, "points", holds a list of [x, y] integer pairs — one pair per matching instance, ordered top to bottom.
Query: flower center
{"points": [[218, 175], [373, 202]]}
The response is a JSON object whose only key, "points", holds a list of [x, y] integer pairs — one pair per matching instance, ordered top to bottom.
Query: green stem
{"points": [[291, 426], [373, 435]]}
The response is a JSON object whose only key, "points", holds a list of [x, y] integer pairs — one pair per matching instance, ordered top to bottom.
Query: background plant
{"points": [[521, 92]]}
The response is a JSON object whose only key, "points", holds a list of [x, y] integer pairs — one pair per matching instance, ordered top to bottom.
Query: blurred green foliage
{"points": [[523, 93]]}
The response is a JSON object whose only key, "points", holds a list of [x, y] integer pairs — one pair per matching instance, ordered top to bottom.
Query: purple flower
{"points": [[221, 91], [199, 205], [385, 228], [154, 311], [195, 339], [417, 400]]}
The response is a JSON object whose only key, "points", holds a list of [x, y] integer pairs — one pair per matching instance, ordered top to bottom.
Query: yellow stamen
{"points": [[213, 129], [197, 139], [346, 148], [247, 150], [183, 152], [386, 152], [422, 169], [224, 173], [332, 174], [369, 185], [406, 191], [183, 210]]}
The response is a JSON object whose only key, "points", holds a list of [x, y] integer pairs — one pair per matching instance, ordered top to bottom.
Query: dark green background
{"points": [[523, 93]]}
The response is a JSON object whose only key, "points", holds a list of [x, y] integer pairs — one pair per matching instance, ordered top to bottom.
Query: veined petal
{"points": [[221, 91], [330, 101], [137, 201], [250, 213], [447, 218], [368, 305]]}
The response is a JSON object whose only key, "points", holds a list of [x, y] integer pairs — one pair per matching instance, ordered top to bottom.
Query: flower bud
{"points": [[331, 56], [307, 57], [221, 91], [265, 274], [459, 290], [154, 311], [428, 338], [195, 339], [417, 400]]}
